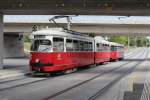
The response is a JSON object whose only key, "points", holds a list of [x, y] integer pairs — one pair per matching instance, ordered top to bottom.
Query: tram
{"points": [[54, 49]]}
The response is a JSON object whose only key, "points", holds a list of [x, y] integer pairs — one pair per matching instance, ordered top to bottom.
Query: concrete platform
{"points": [[14, 67]]}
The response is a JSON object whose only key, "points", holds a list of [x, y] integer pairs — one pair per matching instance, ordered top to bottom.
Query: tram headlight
{"points": [[37, 60]]}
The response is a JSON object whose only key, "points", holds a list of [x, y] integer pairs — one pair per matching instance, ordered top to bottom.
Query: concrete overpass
{"points": [[96, 28], [13, 32]]}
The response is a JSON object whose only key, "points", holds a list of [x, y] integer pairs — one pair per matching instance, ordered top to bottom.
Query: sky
{"points": [[79, 19]]}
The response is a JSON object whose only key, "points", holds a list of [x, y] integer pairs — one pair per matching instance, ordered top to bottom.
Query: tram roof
{"points": [[61, 32], [101, 40], [115, 44]]}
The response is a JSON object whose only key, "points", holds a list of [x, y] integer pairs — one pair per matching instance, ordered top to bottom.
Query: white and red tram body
{"points": [[56, 50], [102, 50], [117, 51]]}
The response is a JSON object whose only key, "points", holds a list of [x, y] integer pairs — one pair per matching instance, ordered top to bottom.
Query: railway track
{"points": [[133, 52], [95, 77], [101, 91]]}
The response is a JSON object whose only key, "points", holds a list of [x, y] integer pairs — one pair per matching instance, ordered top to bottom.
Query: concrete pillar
{"points": [[1, 40], [135, 40], [15, 42], [128, 42]]}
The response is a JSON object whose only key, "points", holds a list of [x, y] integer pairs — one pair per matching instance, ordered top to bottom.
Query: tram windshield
{"points": [[41, 45]]}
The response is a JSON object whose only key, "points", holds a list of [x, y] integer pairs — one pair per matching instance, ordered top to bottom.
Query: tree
{"points": [[26, 38], [119, 39]]}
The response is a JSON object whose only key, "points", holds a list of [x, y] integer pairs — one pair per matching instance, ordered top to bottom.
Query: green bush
{"points": [[26, 38]]}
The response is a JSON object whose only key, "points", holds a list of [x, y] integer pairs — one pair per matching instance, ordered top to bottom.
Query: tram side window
{"points": [[58, 44], [69, 45], [76, 45], [81, 46], [86, 46], [90, 46], [99, 47], [107, 47], [104, 48], [113, 48], [118, 48]]}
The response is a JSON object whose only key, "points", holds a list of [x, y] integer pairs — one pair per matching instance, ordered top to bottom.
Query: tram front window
{"points": [[41, 46]]}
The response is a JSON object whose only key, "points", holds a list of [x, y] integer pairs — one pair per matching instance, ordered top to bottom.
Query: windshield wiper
{"points": [[45, 49]]}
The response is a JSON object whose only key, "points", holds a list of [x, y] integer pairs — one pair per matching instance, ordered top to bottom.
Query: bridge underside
{"points": [[76, 7], [69, 11], [97, 29]]}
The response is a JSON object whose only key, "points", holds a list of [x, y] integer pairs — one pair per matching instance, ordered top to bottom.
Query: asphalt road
{"points": [[103, 82]]}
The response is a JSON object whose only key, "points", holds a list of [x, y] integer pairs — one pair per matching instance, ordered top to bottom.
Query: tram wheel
{"points": [[70, 71]]}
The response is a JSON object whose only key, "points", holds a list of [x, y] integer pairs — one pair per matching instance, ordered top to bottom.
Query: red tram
{"points": [[56, 49], [117, 51]]}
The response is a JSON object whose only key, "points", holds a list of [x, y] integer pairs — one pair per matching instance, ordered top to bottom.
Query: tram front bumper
{"points": [[39, 64]]}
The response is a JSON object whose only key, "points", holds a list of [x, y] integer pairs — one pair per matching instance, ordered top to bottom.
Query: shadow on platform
{"points": [[13, 63], [137, 93]]}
